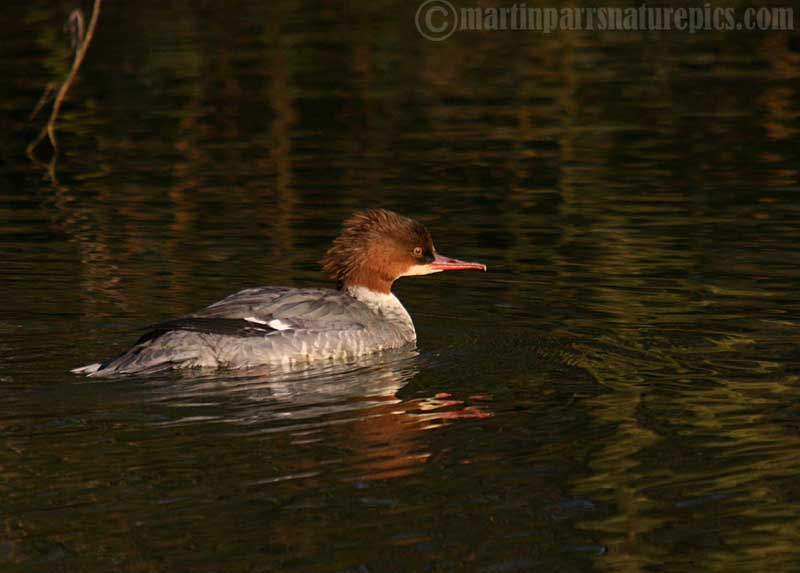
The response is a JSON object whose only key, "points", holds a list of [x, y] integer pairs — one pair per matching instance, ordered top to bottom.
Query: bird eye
{"points": [[417, 251]]}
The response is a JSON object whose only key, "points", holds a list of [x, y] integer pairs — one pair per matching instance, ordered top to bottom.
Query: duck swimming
{"points": [[295, 326]]}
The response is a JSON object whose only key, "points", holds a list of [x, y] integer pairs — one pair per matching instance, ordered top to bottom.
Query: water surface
{"points": [[619, 392]]}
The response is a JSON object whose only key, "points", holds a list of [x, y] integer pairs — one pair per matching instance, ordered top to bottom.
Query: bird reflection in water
{"points": [[353, 408]]}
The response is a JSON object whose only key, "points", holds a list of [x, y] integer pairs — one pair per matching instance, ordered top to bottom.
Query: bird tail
{"points": [[88, 370]]}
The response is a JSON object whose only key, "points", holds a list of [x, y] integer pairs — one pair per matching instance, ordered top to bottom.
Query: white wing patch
{"points": [[275, 323], [278, 324]]}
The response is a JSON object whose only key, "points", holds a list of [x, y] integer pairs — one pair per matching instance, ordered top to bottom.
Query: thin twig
{"points": [[75, 27], [82, 42], [47, 95]]}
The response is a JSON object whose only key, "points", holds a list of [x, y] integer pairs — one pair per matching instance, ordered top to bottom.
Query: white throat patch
{"points": [[418, 270]]}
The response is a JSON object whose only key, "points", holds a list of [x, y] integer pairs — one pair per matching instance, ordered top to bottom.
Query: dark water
{"points": [[620, 391]]}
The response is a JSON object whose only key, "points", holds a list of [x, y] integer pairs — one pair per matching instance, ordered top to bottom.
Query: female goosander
{"points": [[289, 326]]}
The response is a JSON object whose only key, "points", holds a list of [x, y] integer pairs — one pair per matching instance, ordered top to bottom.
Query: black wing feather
{"points": [[223, 326]]}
